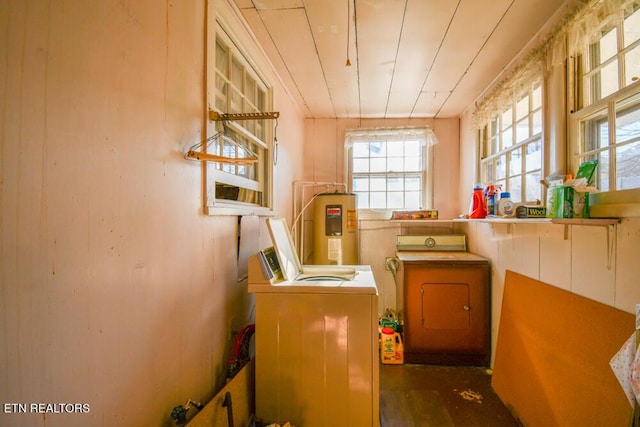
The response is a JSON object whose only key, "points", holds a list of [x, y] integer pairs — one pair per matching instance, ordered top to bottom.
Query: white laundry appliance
{"points": [[316, 340]]}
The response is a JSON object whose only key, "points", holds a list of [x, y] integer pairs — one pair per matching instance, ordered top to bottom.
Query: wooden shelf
{"points": [[506, 220], [421, 221], [563, 221], [586, 221]]}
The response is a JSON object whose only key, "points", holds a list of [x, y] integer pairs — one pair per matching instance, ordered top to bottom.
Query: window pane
{"points": [[632, 28], [606, 48], [221, 58], [632, 66], [608, 76], [221, 93], [536, 98], [522, 107], [507, 118], [537, 122], [628, 124], [494, 127], [522, 130], [595, 133], [507, 138], [494, 145], [395, 148], [360, 149], [377, 149], [412, 149], [534, 156], [515, 162], [395, 164], [413, 164], [360, 165], [378, 165], [628, 166], [501, 167], [487, 172], [601, 177], [378, 183], [394, 183], [412, 183], [360, 184], [515, 188], [534, 188], [363, 199], [378, 200], [395, 200], [412, 200]]}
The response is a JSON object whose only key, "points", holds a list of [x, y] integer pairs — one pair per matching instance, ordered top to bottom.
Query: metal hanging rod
{"points": [[215, 116], [206, 157]]}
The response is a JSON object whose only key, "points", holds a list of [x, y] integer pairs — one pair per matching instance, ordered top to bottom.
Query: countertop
{"points": [[438, 256]]}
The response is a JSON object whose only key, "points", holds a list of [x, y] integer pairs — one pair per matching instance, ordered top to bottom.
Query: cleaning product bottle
{"points": [[490, 200], [505, 205], [477, 209], [392, 350]]}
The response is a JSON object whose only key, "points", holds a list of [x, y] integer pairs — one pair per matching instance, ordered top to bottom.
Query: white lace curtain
{"points": [[572, 36], [424, 134]]}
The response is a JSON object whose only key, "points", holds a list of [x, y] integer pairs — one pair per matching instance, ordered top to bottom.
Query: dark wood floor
{"points": [[440, 396]]}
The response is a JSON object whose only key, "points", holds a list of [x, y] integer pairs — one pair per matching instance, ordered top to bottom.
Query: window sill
{"points": [[615, 204], [238, 211], [563, 221]]}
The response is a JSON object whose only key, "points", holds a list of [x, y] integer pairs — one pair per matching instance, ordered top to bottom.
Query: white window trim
{"points": [[225, 21], [608, 103], [485, 140], [427, 187]]}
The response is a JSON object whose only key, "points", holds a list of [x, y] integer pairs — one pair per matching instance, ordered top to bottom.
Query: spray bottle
{"points": [[490, 200]]}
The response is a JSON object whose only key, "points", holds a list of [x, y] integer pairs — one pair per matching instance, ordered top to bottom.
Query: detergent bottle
{"points": [[490, 198], [478, 208], [392, 350]]}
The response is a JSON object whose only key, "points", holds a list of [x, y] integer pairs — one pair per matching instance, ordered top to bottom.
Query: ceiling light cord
{"points": [[348, 64]]}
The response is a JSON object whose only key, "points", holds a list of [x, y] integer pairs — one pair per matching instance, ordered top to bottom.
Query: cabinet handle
{"points": [[466, 307]]}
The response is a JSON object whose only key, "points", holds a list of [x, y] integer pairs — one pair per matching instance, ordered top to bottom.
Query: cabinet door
{"points": [[445, 306], [446, 309]]}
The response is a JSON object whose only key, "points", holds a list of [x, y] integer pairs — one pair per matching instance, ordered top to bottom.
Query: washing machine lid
{"points": [[283, 244], [290, 264]]}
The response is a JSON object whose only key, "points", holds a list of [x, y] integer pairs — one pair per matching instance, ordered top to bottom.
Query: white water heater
{"points": [[335, 229]]}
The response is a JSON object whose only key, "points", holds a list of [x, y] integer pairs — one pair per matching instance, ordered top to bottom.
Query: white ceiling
{"points": [[409, 58]]}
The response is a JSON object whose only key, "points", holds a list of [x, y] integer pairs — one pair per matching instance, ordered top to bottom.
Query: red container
{"points": [[478, 209]]}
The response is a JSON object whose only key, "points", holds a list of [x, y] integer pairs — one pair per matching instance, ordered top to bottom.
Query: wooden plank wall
{"points": [[552, 358], [242, 389]]}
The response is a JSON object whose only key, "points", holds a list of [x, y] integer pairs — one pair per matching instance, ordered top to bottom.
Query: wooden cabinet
{"points": [[447, 311]]}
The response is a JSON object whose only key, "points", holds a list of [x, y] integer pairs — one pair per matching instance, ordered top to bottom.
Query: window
{"points": [[238, 88], [609, 118], [511, 147], [388, 168]]}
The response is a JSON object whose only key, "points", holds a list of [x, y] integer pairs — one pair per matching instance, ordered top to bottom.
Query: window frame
{"points": [[590, 109], [257, 135], [492, 147], [426, 167]]}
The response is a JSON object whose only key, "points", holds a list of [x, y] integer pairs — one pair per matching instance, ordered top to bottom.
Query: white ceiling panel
{"points": [[328, 23], [425, 25], [378, 29], [289, 31], [409, 58]]}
